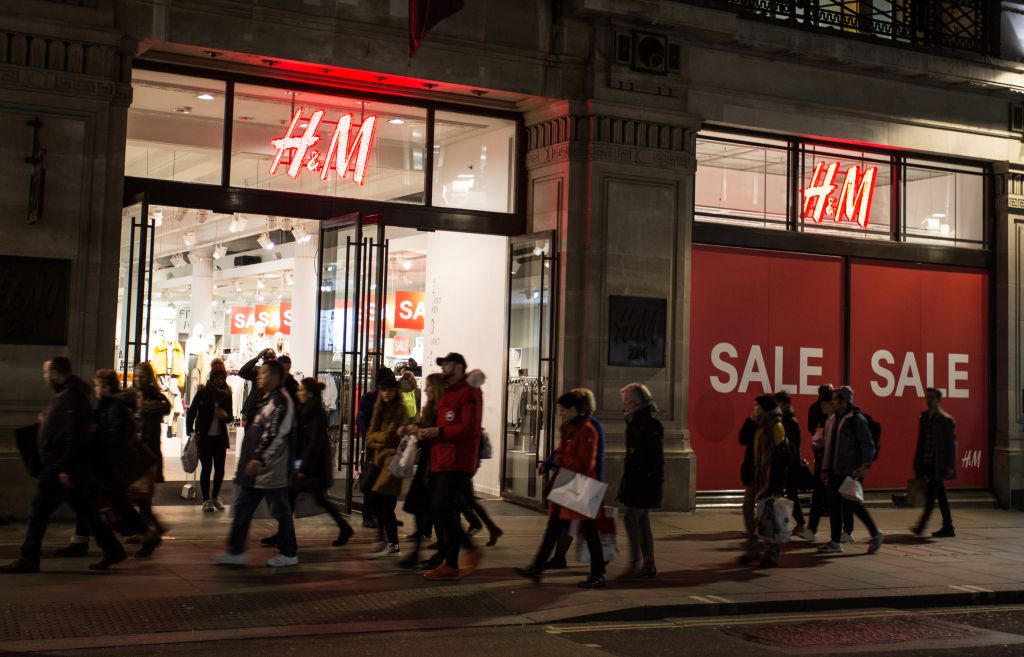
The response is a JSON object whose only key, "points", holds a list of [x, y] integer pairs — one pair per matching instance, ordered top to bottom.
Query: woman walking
{"points": [[151, 406], [389, 416], [208, 417], [578, 450], [643, 475], [417, 500]]}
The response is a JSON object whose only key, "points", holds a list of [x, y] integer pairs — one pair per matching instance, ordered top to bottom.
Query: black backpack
{"points": [[876, 433]]}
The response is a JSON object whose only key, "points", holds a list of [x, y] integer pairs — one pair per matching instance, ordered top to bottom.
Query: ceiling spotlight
{"points": [[206, 95], [397, 121], [202, 216], [158, 217], [237, 224], [301, 234], [189, 238], [265, 241], [219, 251], [193, 257], [178, 260], [407, 265], [515, 267], [289, 279], [260, 284], [238, 286]]}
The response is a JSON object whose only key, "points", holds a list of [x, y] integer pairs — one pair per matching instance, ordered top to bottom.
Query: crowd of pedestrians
{"points": [[99, 446]]}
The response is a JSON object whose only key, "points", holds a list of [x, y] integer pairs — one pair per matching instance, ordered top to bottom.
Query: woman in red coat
{"points": [[577, 451]]}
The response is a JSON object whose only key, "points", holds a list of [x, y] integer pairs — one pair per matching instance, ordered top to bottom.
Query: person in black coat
{"points": [[151, 407], [208, 416], [792, 428], [935, 459], [315, 470], [643, 475], [421, 492]]}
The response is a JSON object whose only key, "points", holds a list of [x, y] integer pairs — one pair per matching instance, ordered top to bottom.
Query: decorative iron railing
{"points": [[965, 25]]}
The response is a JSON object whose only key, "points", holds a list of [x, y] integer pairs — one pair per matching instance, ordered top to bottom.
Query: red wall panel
{"points": [[759, 321], [913, 327]]}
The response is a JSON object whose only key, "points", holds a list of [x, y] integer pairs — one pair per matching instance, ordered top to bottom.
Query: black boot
{"points": [[344, 534]]}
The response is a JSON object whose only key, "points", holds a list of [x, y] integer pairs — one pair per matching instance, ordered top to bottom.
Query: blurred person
{"points": [[151, 407], [389, 416], [208, 417], [792, 428], [769, 454], [935, 459], [643, 475], [418, 499]]}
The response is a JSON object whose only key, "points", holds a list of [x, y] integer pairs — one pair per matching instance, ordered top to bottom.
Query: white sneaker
{"points": [[218, 504], [208, 507], [805, 534], [846, 538], [830, 548], [386, 550], [228, 559], [280, 561]]}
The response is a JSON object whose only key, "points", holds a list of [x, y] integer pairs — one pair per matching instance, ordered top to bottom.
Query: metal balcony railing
{"points": [[964, 25]]}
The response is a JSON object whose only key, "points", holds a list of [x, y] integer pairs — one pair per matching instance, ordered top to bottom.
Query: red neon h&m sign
{"points": [[342, 154], [855, 194]]}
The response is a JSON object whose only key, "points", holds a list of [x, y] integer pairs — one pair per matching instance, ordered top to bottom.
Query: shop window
{"points": [[175, 128], [378, 148], [474, 162], [741, 182], [846, 192], [944, 206]]}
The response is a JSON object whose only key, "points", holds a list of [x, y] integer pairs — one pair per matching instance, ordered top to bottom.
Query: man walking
{"points": [[849, 452], [454, 455], [935, 459], [263, 470], [67, 473], [766, 474]]}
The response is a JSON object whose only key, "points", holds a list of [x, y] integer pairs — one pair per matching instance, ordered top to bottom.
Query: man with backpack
{"points": [[850, 449]]}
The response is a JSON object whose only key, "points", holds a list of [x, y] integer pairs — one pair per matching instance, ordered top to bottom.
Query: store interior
{"points": [[232, 285]]}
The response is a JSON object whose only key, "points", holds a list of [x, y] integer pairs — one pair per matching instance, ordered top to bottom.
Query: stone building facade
{"points": [[608, 155]]}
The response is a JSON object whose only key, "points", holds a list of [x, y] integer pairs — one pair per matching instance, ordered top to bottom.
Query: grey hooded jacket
{"points": [[268, 439]]}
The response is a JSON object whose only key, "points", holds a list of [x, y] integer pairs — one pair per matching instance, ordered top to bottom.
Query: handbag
{"points": [[27, 439], [486, 449], [190, 454], [133, 462], [403, 463], [368, 477], [917, 489], [852, 490], [578, 492], [306, 506], [772, 520]]}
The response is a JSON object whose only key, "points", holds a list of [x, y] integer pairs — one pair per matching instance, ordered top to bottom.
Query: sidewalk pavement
{"points": [[179, 595]]}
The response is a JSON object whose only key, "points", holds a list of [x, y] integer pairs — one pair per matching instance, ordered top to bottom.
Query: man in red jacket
{"points": [[453, 460]]}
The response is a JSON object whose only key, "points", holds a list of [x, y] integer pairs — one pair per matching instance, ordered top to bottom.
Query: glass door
{"points": [[135, 286], [349, 343], [530, 387]]}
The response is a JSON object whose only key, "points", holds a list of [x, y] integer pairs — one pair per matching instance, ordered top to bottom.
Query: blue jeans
{"points": [[49, 495], [244, 506]]}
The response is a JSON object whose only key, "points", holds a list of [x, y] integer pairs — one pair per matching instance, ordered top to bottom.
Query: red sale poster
{"points": [[759, 322], [916, 327]]}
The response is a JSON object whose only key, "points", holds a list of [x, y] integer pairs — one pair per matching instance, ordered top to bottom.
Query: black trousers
{"points": [[211, 457], [936, 490], [449, 494], [793, 495], [839, 506], [383, 507], [819, 508], [475, 513], [554, 529]]}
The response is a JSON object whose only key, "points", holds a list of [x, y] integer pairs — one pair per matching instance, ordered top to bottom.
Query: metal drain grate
{"points": [[71, 620], [851, 633]]}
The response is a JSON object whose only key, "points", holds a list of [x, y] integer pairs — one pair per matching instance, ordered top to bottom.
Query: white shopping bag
{"points": [[403, 463], [852, 490], [577, 492], [773, 520], [605, 529]]}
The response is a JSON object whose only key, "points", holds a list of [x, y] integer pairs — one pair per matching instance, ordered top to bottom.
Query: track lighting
{"points": [[266, 242]]}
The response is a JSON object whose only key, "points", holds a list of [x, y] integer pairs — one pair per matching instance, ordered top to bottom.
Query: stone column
{"points": [[616, 183], [1008, 241], [304, 291], [201, 311]]}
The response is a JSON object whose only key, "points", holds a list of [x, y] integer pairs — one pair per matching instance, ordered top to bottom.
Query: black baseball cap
{"points": [[453, 357]]}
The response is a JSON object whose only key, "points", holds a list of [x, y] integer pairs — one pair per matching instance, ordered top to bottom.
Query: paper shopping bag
{"points": [[578, 492]]}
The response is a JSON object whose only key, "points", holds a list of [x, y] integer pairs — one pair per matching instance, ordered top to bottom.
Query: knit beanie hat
{"points": [[217, 367]]}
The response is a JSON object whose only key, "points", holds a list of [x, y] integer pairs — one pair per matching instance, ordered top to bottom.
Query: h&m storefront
{"points": [[350, 230], [822, 262]]}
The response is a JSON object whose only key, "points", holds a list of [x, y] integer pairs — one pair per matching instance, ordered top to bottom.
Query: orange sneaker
{"points": [[472, 562], [442, 573]]}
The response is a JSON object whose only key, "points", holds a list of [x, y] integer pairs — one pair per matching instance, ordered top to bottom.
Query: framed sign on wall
{"points": [[34, 301], [636, 331]]}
